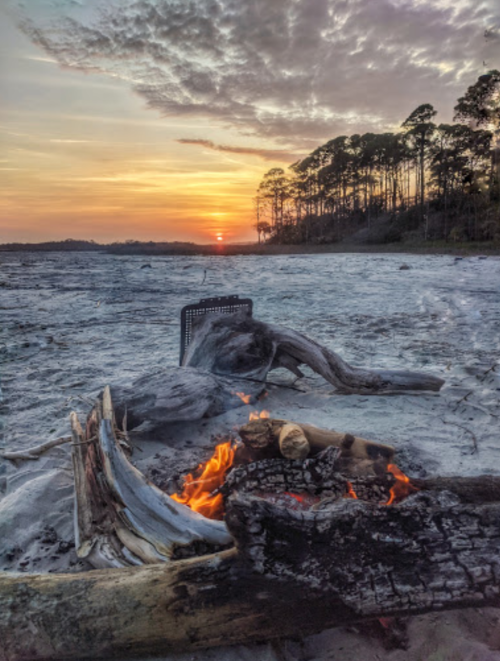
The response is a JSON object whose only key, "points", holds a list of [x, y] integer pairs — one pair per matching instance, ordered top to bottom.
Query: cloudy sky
{"points": [[156, 119]]}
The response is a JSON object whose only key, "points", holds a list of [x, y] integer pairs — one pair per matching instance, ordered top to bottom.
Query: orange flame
{"points": [[244, 398], [255, 415], [402, 487], [197, 491], [350, 492]]}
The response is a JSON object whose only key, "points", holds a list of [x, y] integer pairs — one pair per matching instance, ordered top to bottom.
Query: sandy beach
{"points": [[74, 322]]}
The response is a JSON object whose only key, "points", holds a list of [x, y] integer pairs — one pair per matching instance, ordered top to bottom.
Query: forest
{"points": [[425, 182]]}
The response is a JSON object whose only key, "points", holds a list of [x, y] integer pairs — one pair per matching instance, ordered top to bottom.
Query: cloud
{"points": [[295, 71], [267, 154]]}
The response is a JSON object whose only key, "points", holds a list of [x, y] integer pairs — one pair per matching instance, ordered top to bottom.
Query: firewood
{"points": [[292, 442], [360, 455], [292, 574]]}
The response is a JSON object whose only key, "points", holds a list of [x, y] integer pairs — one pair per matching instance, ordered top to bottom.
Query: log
{"points": [[242, 346], [231, 354], [179, 394], [292, 442], [360, 456], [122, 519], [430, 552], [293, 573]]}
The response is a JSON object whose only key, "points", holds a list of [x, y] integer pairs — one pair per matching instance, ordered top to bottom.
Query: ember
{"points": [[244, 398], [198, 490]]}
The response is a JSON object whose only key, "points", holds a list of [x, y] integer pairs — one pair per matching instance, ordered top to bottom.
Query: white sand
{"points": [[73, 322]]}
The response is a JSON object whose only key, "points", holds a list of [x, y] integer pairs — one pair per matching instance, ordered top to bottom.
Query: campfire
{"points": [[203, 490], [288, 531]]}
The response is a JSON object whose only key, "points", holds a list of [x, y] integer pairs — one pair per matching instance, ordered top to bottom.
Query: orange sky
{"points": [[157, 119], [82, 157]]}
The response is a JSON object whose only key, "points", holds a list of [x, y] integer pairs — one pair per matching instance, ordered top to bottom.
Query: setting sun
{"points": [[220, 238]]}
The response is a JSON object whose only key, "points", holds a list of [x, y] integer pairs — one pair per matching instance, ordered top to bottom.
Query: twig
{"points": [[491, 369], [462, 400], [474, 438], [34, 453]]}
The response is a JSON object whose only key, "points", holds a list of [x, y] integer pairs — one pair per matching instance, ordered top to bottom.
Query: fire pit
{"points": [[291, 530]]}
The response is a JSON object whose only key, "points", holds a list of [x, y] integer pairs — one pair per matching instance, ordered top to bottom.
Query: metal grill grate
{"points": [[220, 304]]}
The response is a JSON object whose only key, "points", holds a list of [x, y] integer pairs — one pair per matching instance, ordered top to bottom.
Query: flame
{"points": [[244, 398], [255, 415], [402, 487], [197, 491], [350, 492]]}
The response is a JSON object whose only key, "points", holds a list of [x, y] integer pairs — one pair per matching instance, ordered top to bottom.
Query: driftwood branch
{"points": [[240, 345], [35, 452], [121, 518]]}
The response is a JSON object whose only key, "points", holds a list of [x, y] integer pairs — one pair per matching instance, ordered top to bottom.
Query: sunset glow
{"points": [[103, 139]]}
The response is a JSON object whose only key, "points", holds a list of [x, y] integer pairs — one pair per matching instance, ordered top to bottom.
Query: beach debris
{"points": [[240, 346], [35, 452], [137, 522], [311, 550]]}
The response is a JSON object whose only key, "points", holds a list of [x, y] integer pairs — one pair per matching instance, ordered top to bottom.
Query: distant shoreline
{"points": [[182, 249]]}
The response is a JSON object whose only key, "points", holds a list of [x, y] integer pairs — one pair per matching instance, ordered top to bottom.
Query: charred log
{"points": [[430, 552], [293, 573]]}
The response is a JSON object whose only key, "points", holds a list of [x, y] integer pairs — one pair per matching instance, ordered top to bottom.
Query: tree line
{"points": [[426, 180]]}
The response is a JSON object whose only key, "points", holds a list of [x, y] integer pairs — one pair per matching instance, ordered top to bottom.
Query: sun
{"points": [[220, 238]]}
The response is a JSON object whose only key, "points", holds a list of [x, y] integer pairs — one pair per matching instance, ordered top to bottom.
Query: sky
{"points": [[157, 119]]}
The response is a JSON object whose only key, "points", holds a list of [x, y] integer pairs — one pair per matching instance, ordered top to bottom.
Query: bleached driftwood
{"points": [[242, 346], [231, 354], [175, 394], [35, 452], [121, 518]]}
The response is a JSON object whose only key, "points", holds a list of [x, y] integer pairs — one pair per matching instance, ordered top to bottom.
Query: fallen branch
{"points": [[240, 345], [275, 437], [35, 452]]}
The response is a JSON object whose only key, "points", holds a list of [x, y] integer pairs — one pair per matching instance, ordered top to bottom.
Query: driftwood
{"points": [[242, 346], [226, 366], [175, 394], [35, 452], [121, 518], [294, 571], [292, 574]]}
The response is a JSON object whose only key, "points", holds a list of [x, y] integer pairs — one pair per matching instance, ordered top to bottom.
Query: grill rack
{"points": [[219, 304]]}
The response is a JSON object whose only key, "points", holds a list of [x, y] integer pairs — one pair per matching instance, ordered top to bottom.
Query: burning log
{"points": [[242, 346], [297, 440], [329, 555], [293, 573]]}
